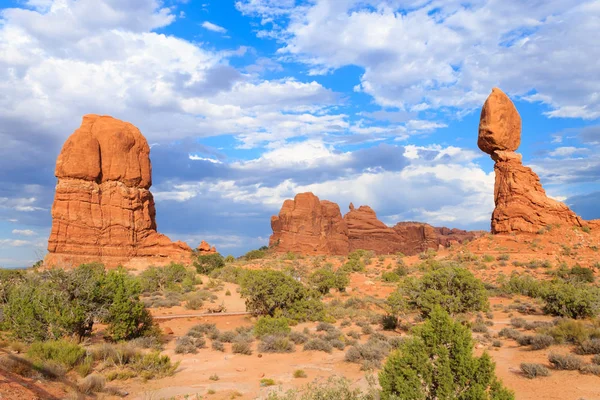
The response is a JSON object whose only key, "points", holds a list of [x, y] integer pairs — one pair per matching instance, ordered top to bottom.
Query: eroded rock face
{"points": [[499, 125], [521, 202], [103, 210], [308, 225], [366, 232]]}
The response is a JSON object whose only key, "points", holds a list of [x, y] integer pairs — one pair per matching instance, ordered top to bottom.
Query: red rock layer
{"points": [[521, 201], [103, 209], [308, 225], [205, 248]]}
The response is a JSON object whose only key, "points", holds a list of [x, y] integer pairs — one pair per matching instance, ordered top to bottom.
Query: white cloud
{"points": [[213, 27], [439, 54], [567, 151], [198, 158], [23, 232], [14, 243]]}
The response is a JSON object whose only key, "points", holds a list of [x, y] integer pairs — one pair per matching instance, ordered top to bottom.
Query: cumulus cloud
{"points": [[420, 55]]}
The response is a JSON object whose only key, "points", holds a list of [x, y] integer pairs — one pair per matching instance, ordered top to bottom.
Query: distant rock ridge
{"points": [[521, 202], [103, 210], [303, 226]]}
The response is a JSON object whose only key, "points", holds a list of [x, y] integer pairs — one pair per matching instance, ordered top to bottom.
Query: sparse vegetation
{"points": [[207, 263], [532, 370]]}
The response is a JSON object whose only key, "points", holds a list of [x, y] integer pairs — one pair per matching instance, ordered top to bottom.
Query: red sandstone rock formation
{"points": [[521, 202], [103, 210], [308, 225], [303, 227], [366, 232], [205, 248]]}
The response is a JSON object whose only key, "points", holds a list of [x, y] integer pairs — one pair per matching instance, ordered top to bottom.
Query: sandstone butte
{"points": [[521, 202], [103, 210], [308, 225]]}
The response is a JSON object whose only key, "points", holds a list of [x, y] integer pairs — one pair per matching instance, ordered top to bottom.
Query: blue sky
{"points": [[246, 103]]}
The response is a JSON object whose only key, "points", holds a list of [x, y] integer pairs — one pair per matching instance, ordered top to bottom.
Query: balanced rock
{"points": [[499, 125], [521, 202], [103, 209], [308, 225]]}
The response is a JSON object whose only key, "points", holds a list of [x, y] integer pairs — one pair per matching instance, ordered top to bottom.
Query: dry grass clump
{"points": [[276, 344], [568, 362], [532, 370], [92, 384]]}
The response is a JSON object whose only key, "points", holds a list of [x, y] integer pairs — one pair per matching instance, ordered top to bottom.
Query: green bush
{"points": [[255, 254], [229, 259], [207, 263], [581, 274], [171, 277], [390, 277], [324, 279], [525, 285], [454, 289], [267, 291], [571, 300], [53, 304], [127, 317], [268, 325], [64, 352], [438, 363], [153, 365], [335, 388]]}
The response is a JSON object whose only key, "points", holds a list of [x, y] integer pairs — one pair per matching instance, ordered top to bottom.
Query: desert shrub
{"points": [[255, 254], [503, 257], [488, 258], [229, 259], [207, 263], [354, 265], [229, 273], [581, 274], [171, 277], [390, 277], [324, 279], [525, 285], [455, 289], [266, 292], [572, 301], [194, 302], [389, 322], [518, 322], [268, 325], [325, 327], [201, 330], [570, 331], [227, 336], [298, 337], [539, 342], [189, 344], [276, 344], [217, 345], [318, 345], [590, 346], [241, 347], [373, 351], [62, 352], [596, 359], [565, 361], [438, 362], [153, 365], [590, 369], [532, 370], [299, 373], [92, 384], [335, 388]]}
